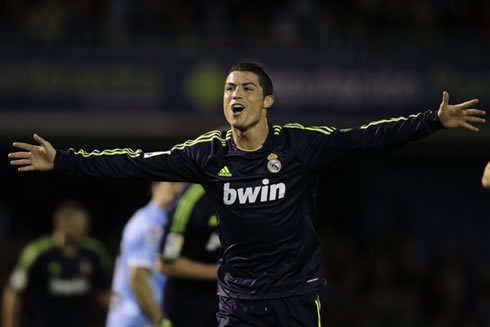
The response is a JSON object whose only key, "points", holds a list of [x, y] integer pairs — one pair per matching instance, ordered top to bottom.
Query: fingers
{"points": [[445, 98], [468, 104], [474, 112], [472, 115], [474, 119], [470, 127], [40, 140], [24, 146], [19, 155], [21, 159], [20, 162], [25, 163], [25, 168]]}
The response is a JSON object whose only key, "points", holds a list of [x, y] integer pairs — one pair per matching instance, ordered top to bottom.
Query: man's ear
{"points": [[268, 101]]}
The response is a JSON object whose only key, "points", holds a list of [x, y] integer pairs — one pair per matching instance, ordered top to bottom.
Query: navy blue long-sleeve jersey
{"points": [[265, 198]]}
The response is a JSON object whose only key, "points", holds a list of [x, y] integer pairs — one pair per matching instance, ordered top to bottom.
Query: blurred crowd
{"points": [[232, 23], [396, 280]]}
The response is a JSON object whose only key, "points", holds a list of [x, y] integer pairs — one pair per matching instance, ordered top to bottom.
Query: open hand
{"points": [[459, 115], [34, 157]]}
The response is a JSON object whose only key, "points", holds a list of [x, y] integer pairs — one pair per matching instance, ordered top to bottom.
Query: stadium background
{"points": [[404, 234]]}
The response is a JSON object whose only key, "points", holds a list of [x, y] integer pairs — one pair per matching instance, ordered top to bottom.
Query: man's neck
{"points": [[252, 138], [61, 242]]}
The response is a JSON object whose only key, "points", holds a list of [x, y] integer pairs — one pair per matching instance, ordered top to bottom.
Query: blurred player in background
{"points": [[263, 179], [485, 180], [189, 257], [61, 277], [137, 286]]}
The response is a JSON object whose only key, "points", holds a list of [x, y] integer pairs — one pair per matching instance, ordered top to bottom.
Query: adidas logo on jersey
{"points": [[224, 172], [252, 194]]}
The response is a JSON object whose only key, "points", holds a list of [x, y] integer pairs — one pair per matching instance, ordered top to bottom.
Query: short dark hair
{"points": [[257, 68]]}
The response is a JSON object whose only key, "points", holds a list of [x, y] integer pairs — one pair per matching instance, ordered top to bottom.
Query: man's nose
{"points": [[237, 93]]}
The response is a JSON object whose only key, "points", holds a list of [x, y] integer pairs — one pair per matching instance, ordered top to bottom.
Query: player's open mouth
{"points": [[237, 108]]}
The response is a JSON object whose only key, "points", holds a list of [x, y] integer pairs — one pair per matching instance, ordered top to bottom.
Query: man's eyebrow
{"points": [[244, 84]]}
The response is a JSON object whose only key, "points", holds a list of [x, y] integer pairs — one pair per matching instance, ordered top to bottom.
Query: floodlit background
{"points": [[405, 233]]}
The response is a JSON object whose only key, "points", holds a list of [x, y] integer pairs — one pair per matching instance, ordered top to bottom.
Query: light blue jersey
{"points": [[139, 248]]}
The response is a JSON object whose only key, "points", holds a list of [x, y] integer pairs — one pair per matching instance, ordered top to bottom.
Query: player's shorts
{"points": [[293, 311]]}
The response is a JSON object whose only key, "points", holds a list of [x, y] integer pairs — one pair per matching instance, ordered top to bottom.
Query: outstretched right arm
{"points": [[162, 166]]}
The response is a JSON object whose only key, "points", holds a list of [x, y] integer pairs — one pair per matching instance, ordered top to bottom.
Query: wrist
{"points": [[437, 122]]}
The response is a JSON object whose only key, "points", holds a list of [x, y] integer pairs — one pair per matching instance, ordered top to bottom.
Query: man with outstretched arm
{"points": [[263, 179]]}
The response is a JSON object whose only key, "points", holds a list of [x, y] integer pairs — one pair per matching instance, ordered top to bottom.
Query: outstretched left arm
{"points": [[385, 134]]}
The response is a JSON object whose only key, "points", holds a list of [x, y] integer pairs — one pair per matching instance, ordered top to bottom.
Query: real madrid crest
{"points": [[274, 165]]}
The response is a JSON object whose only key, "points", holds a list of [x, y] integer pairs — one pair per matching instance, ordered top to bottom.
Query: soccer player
{"points": [[263, 179], [485, 180], [189, 257], [59, 277], [137, 286]]}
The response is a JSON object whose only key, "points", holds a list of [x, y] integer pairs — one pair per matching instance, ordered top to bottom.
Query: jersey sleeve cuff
{"points": [[434, 121], [62, 161]]}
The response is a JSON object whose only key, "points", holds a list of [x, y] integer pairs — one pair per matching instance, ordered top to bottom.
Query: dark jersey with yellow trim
{"points": [[265, 198], [191, 232], [59, 290]]}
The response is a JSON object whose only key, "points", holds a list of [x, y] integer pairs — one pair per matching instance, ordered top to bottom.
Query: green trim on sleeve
{"points": [[389, 120], [277, 129], [321, 129], [329, 129], [207, 137], [130, 152], [184, 208], [213, 221], [99, 249], [33, 251], [318, 308]]}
